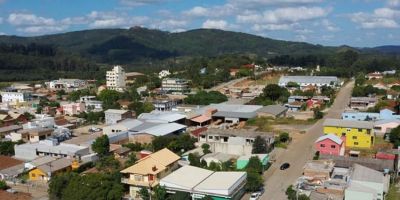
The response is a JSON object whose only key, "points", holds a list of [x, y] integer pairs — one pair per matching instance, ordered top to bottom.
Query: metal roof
{"points": [[308, 79], [273, 109], [115, 111], [162, 116], [348, 123], [238, 133], [362, 173], [186, 177], [220, 181]]}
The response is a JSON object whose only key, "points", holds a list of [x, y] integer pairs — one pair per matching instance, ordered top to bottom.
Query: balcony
{"points": [[138, 183]]}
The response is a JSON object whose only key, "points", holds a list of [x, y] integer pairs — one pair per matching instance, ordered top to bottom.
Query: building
{"points": [[163, 74], [374, 75], [131, 77], [115, 79], [304, 81], [66, 84], [175, 85], [12, 95], [362, 103], [164, 104], [294, 106], [71, 109], [274, 111], [232, 113], [384, 114], [113, 116], [382, 127], [6, 130], [358, 134], [32, 135], [236, 142], [330, 144], [30, 151], [242, 161], [7, 162], [319, 169], [45, 171], [147, 172], [202, 182], [367, 184]]}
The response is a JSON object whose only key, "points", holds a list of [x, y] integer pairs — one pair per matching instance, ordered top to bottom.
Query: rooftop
{"points": [[308, 79], [273, 109], [115, 111], [162, 116], [348, 123], [10, 128], [238, 133], [332, 137], [223, 157], [7, 162], [55, 165], [320, 165], [362, 173], [180, 177], [220, 181]]}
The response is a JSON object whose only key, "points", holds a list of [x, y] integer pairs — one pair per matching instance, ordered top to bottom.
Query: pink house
{"points": [[73, 108], [385, 126], [330, 144]]}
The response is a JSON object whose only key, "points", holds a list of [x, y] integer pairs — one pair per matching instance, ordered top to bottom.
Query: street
{"points": [[299, 152]]}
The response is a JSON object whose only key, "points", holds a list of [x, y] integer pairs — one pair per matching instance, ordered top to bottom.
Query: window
{"points": [[353, 117], [360, 130], [343, 134], [203, 136], [210, 137], [216, 137], [355, 137], [225, 139], [355, 143], [322, 145], [333, 146], [33, 175], [138, 178]]}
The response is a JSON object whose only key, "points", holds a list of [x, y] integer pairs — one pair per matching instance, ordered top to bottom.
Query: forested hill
{"points": [[86, 53]]}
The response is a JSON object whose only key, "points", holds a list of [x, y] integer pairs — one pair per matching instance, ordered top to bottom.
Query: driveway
{"points": [[300, 151]]}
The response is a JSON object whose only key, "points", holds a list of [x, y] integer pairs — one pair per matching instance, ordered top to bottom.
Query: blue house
{"points": [[370, 116]]}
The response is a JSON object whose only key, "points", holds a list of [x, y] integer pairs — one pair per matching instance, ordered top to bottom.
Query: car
{"points": [[94, 129], [284, 166], [255, 196]]}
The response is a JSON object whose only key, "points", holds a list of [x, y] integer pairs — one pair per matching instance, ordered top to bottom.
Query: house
{"points": [[374, 75], [115, 79], [304, 81], [66, 84], [175, 85], [14, 95], [292, 99], [362, 103], [91, 104], [164, 104], [294, 106], [71, 109], [275, 111], [232, 113], [113, 116], [360, 116], [12, 118], [382, 127], [6, 130], [358, 134], [32, 135], [236, 142], [330, 144], [30, 151], [218, 158], [242, 161], [7, 162], [319, 169], [45, 171], [147, 172], [202, 182], [367, 184]]}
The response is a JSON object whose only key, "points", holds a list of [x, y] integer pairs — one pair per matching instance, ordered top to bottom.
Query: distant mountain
{"points": [[129, 45], [388, 49]]}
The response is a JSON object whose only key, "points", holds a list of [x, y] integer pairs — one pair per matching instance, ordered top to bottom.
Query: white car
{"points": [[255, 196]]}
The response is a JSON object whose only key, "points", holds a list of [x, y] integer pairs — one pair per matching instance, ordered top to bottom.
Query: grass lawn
{"points": [[266, 123], [393, 193]]}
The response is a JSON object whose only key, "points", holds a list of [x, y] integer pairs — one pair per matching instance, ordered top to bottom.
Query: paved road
{"points": [[300, 151]]}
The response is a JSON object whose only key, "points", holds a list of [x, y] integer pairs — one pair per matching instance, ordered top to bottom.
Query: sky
{"points": [[359, 23]]}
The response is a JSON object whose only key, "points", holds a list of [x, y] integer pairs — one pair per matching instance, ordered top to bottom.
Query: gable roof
{"points": [[273, 109], [348, 123], [332, 137], [154, 163], [55, 165], [362, 173]]}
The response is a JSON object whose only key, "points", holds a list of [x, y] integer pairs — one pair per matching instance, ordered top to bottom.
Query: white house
{"points": [[164, 73], [115, 79]]}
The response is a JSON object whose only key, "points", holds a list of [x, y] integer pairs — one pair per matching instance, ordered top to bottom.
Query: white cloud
{"points": [[140, 2], [261, 3], [393, 3], [197, 11], [215, 11], [23, 19], [378, 19], [215, 24], [174, 25], [329, 25], [272, 27], [41, 29], [2, 33], [301, 38]]}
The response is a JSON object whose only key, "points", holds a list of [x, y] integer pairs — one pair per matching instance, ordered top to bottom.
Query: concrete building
{"points": [[115, 79], [304, 81], [66, 84], [175, 85], [13, 95], [362, 103], [164, 104], [71, 109], [274, 111], [231, 113], [113, 116], [382, 127], [358, 133], [32, 135], [236, 142], [330, 144], [30, 151], [45, 171], [148, 171], [202, 182], [367, 184]]}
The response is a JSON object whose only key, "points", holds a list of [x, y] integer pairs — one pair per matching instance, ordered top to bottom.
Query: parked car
{"points": [[94, 129], [284, 166], [255, 196]]}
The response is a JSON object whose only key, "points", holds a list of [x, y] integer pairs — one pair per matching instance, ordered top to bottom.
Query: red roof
{"points": [[197, 132], [385, 156]]}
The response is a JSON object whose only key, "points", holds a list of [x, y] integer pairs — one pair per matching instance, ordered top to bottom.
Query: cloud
{"points": [[140, 2], [393, 3], [255, 4], [197, 11], [214, 11], [380, 18], [23, 19], [215, 24], [329, 25], [272, 27], [41, 29], [2, 33]]}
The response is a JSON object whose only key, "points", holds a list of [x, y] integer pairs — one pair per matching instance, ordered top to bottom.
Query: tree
{"points": [[360, 79], [292, 84], [275, 92], [60, 93], [205, 98], [109, 99], [140, 107], [317, 113], [284, 137], [394, 137], [259, 145], [101, 146], [206, 148], [194, 159], [131, 160], [108, 163], [255, 165], [214, 166], [254, 181], [3, 185], [159, 193], [144, 194], [291, 194], [180, 196], [207, 198]]}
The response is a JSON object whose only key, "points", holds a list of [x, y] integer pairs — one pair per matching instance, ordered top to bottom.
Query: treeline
{"points": [[40, 61]]}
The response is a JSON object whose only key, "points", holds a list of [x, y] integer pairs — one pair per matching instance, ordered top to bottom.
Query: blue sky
{"points": [[361, 23]]}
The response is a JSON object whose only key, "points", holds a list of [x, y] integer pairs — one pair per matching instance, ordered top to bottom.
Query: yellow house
{"points": [[359, 134], [45, 171], [148, 171]]}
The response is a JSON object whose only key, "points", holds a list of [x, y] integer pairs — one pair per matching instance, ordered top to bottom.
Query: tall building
{"points": [[116, 79], [175, 85]]}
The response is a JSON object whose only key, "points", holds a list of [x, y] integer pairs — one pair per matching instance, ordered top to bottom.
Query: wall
{"points": [[327, 149]]}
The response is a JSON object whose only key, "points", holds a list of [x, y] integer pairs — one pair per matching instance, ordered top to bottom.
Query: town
{"points": [[312, 137]]}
